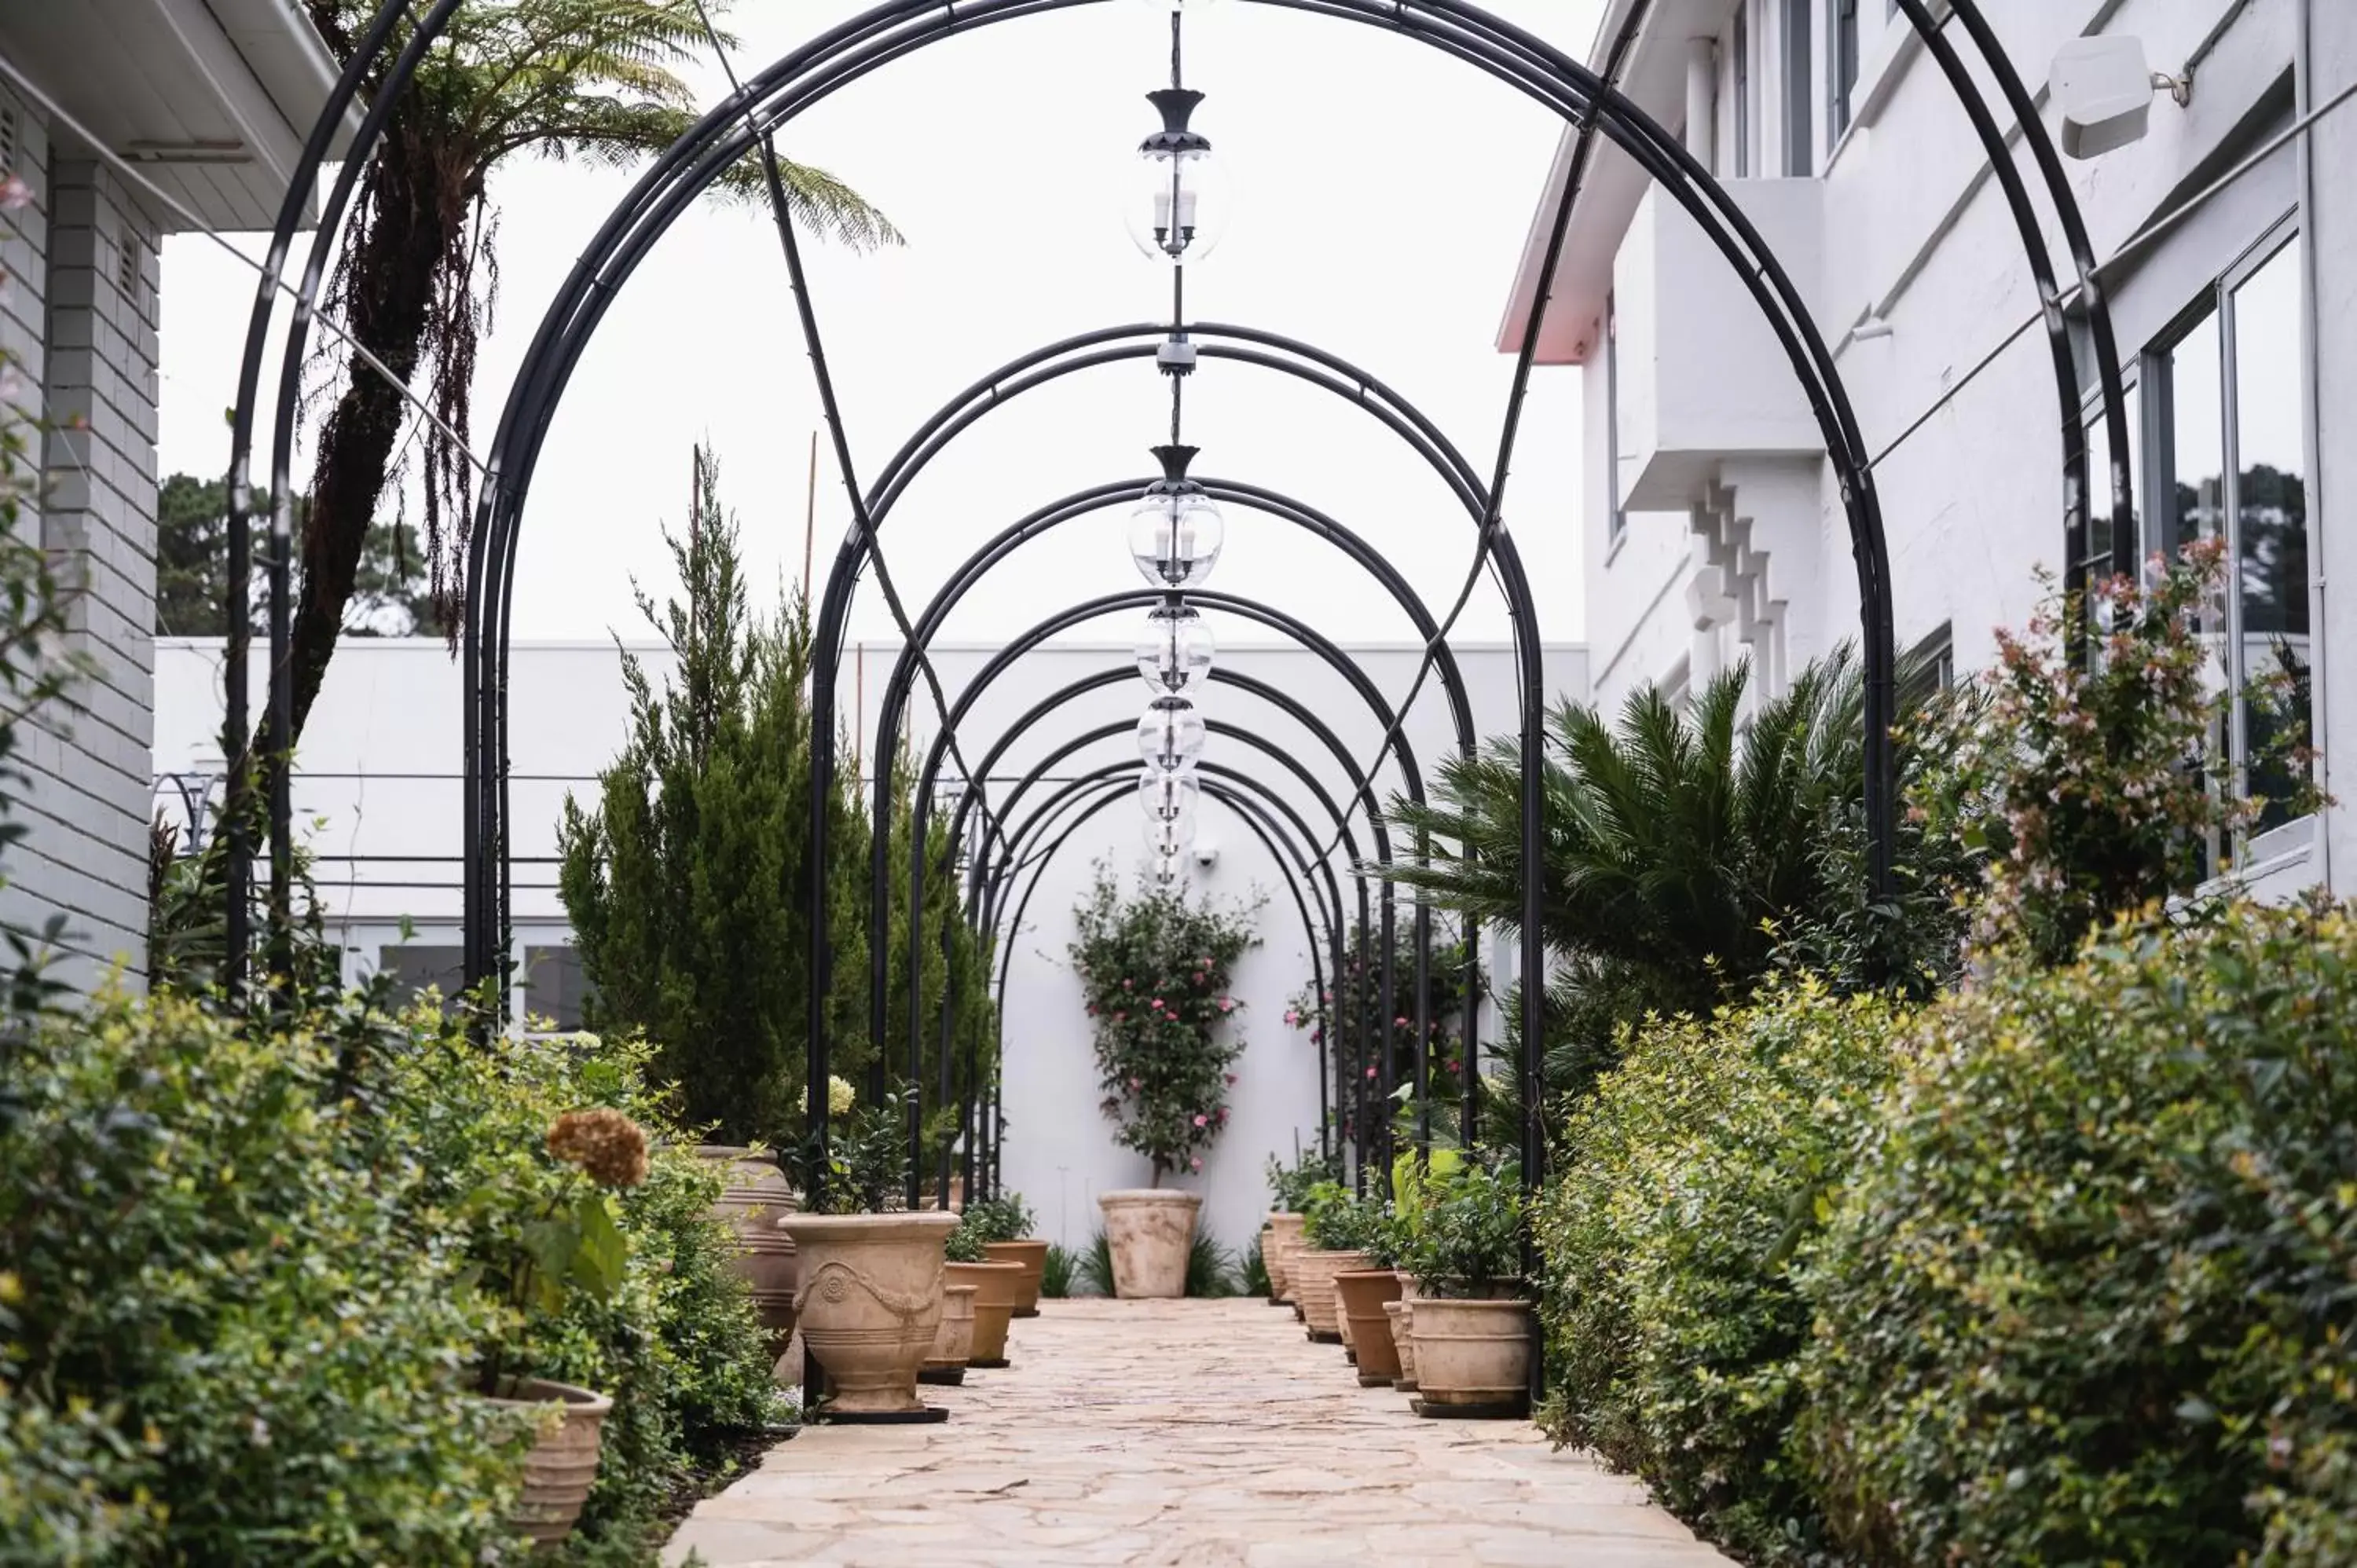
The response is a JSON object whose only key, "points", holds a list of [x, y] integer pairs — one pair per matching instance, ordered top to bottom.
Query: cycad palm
{"points": [[1679, 840]]}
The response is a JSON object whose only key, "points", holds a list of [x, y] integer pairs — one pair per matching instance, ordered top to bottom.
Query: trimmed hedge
{"points": [[2093, 1295], [1674, 1318]]}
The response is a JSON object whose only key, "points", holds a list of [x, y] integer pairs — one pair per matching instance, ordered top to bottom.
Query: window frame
{"points": [[1845, 58], [2157, 467], [1616, 515]]}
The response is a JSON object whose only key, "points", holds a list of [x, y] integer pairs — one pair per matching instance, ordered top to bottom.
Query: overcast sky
{"points": [[1385, 193]]}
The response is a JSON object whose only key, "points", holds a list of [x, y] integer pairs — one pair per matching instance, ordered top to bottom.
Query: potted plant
{"points": [[1154, 971], [1288, 1195], [754, 1196], [1005, 1225], [1334, 1229], [535, 1257], [997, 1285], [871, 1295], [1362, 1296], [1470, 1323]]}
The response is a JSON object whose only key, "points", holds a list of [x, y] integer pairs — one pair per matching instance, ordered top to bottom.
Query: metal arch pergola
{"points": [[846, 54]]}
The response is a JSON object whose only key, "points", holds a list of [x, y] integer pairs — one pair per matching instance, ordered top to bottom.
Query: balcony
{"points": [[1700, 377]]}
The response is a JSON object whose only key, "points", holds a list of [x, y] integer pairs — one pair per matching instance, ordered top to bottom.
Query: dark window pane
{"points": [[1800, 95], [2197, 428], [2271, 527], [2101, 547], [414, 966], [555, 986]]}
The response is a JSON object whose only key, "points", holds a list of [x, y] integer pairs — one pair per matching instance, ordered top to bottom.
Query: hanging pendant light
{"points": [[1177, 210], [1176, 530], [1175, 652], [1171, 735], [1165, 796]]}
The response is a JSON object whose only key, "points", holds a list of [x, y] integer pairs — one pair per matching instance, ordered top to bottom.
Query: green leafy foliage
{"points": [[2082, 792], [1155, 970], [1351, 1013], [864, 1167], [1289, 1185], [1003, 1219], [1337, 1221], [1468, 1239], [1254, 1269], [1210, 1271], [1059, 1272], [1093, 1272], [2089, 1296], [1674, 1318]]}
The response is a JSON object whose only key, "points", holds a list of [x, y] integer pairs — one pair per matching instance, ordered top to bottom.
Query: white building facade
{"points": [[208, 101], [1714, 529], [377, 795]]}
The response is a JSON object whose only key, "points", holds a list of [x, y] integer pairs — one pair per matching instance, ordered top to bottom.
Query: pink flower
{"points": [[14, 194], [1125, 985], [1329, 995], [1227, 1003], [1157, 1004], [1119, 1016], [1292, 1018], [1400, 1022], [1317, 1037], [1454, 1066], [1371, 1072], [1136, 1083], [1231, 1084], [1223, 1115], [1201, 1120], [1196, 1164]]}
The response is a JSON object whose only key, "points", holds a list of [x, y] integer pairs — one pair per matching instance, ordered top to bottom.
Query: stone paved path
{"points": [[1210, 1434]]}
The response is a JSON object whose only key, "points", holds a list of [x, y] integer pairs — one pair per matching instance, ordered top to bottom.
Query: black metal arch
{"points": [[846, 54], [1291, 626], [1257, 817]]}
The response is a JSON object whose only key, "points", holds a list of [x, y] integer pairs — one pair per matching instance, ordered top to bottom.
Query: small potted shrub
{"points": [[1154, 973], [1289, 1190], [1005, 1225], [1334, 1229], [562, 1242], [997, 1282], [1362, 1296], [871, 1302], [1471, 1324]]}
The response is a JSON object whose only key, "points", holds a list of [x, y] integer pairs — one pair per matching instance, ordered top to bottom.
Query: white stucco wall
{"points": [[1915, 234], [379, 777]]}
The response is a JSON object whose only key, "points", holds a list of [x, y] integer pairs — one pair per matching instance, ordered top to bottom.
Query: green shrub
{"points": [[1003, 1219], [1335, 1220], [1467, 1238], [1254, 1269], [1210, 1270], [1059, 1272], [1093, 1272], [2090, 1298], [1671, 1313], [246, 1332]]}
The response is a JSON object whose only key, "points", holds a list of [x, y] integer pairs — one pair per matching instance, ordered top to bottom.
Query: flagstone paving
{"points": [[1206, 1433]]}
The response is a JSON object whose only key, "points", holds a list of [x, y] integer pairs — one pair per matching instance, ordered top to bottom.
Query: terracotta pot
{"points": [[756, 1197], [1151, 1230], [1285, 1236], [1267, 1250], [1033, 1256], [996, 1288], [1313, 1289], [1365, 1294], [870, 1302], [1403, 1315], [954, 1340], [1472, 1353], [562, 1463]]}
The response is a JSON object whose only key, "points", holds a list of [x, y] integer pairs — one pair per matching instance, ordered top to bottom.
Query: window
{"points": [[1844, 41], [1741, 50], [1799, 93], [2234, 420], [1616, 518], [2103, 553], [1929, 668], [415, 967], [555, 985]]}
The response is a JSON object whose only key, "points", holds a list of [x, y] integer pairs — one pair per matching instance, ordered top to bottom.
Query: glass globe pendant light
{"points": [[1177, 210], [1176, 530], [1174, 653], [1171, 735], [1164, 797], [1172, 839], [1166, 870]]}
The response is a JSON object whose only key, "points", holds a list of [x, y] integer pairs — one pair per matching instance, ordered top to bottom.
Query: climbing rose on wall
{"points": [[1164, 1068]]}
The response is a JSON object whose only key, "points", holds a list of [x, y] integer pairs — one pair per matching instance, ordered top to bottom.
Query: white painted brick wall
{"points": [[91, 346]]}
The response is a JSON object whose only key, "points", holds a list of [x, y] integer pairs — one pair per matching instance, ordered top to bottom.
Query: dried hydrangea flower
{"points": [[607, 1144]]}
